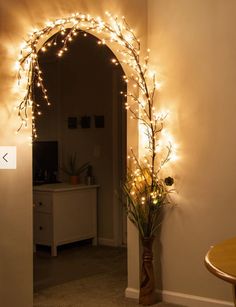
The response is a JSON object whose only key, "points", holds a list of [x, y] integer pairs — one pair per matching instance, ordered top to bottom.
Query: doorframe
{"points": [[119, 149]]}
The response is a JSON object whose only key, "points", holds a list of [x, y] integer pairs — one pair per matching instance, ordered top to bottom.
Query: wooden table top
{"points": [[221, 260]]}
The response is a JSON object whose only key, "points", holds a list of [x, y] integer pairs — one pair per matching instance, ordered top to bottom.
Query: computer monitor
{"points": [[45, 162]]}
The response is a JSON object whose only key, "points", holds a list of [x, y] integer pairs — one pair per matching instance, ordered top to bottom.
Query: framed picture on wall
{"points": [[85, 121], [99, 121], [72, 122]]}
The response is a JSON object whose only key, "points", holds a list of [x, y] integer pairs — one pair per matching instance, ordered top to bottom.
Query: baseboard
{"points": [[107, 242], [132, 293], [182, 299], [192, 300]]}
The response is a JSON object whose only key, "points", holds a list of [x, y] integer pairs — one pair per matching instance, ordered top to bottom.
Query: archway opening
{"points": [[84, 84]]}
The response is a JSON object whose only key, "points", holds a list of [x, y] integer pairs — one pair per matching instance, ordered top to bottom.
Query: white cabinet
{"points": [[64, 213]]}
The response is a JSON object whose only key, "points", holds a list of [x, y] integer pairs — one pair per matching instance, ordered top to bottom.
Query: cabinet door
{"points": [[43, 201], [75, 216], [42, 228]]}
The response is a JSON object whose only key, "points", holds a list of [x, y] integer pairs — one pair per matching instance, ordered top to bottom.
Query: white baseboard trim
{"points": [[107, 242], [132, 293], [183, 299], [192, 300]]}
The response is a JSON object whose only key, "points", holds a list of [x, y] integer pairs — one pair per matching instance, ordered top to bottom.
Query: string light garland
{"points": [[115, 31], [144, 187]]}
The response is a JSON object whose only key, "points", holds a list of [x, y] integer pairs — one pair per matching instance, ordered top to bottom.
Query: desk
{"points": [[221, 261]]}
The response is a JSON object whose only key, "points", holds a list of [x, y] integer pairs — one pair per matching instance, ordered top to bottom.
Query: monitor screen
{"points": [[45, 161]]}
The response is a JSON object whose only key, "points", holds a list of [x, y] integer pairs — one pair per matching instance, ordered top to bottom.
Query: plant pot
{"points": [[74, 179], [147, 295]]}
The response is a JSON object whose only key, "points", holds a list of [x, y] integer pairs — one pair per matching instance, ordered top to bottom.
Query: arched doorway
{"points": [[85, 85]]}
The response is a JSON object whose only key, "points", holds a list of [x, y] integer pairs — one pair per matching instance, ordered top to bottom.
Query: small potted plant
{"points": [[73, 170]]}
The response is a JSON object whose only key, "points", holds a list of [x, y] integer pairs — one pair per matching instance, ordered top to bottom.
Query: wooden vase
{"points": [[147, 294]]}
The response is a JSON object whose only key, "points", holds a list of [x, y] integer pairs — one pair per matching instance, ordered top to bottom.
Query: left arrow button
{"points": [[4, 157], [7, 157]]}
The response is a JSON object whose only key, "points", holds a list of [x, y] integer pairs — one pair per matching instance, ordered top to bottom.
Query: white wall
{"points": [[17, 19], [193, 47]]}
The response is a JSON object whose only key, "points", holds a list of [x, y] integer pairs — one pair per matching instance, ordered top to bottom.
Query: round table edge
{"points": [[217, 272]]}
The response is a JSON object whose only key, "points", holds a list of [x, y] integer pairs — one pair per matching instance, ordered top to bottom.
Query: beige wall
{"points": [[17, 19], [193, 47]]}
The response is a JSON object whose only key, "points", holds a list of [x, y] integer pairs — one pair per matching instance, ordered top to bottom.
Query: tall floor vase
{"points": [[147, 294]]}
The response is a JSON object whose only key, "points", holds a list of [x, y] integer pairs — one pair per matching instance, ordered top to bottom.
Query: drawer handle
{"points": [[40, 203], [40, 228]]}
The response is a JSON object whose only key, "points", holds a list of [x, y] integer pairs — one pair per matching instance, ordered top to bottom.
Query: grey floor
{"points": [[82, 276]]}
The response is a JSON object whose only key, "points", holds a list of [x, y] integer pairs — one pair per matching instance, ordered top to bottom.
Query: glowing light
{"points": [[129, 37], [17, 66], [151, 74], [158, 85]]}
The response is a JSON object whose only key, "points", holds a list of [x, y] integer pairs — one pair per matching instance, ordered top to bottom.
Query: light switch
{"points": [[7, 157]]}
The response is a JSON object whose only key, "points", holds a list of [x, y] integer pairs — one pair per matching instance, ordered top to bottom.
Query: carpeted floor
{"points": [[82, 276]]}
